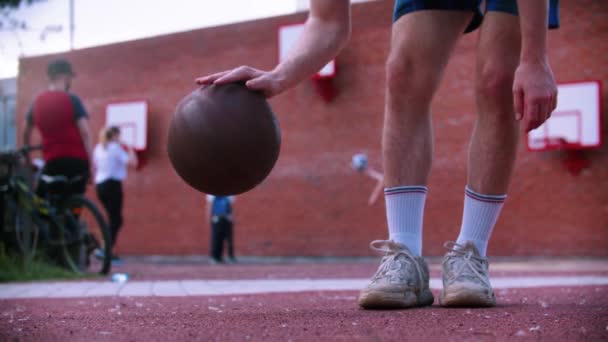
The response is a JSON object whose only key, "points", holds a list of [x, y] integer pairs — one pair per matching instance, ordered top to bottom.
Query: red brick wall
{"points": [[313, 203]]}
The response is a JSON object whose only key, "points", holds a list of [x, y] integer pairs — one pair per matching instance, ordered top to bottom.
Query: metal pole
{"points": [[71, 24], [4, 122]]}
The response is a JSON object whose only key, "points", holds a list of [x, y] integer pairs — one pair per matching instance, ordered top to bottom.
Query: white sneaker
{"points": [[465, 277], [402, 280]]}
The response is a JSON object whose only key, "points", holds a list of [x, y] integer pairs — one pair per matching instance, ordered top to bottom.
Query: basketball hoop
{"points": [[323, 80], [324, 84], [131, 117], [574, 126], [560, 143], [574, 158], [576, 161]]}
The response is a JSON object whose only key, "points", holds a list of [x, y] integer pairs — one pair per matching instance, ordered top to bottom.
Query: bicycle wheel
{"points": [[21, 216], [26, 234], [88, 245]]}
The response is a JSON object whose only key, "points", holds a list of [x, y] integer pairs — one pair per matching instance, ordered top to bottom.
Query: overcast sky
{"points": [[100, 22]]}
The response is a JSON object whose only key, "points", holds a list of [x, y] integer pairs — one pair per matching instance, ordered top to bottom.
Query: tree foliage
{"points": [[14, 3], [7, 21]]}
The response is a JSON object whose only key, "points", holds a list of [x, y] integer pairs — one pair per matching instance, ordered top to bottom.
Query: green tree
{"points": [[14, 3], [9, 23]]}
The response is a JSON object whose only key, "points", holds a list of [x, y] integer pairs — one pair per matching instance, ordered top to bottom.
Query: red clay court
{"points": [[303, 233], [551, 300]]}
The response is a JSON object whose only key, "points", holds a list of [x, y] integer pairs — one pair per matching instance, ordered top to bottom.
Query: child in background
{"points": [[219, 215]]}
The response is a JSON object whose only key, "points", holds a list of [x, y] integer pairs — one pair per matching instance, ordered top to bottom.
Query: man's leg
{"points": [[420, 48], [496, 133], [491, 159], [230, 240], [216, 242]]}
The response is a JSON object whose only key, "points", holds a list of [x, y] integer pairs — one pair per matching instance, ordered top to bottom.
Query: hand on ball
{"points": [[266, 82]]}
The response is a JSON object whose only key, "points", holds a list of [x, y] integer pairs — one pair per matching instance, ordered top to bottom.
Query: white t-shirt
{"points": [[110, 162]]}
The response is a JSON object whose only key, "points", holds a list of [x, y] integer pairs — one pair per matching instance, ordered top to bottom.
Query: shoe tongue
{"points": [[470, 245], [467, 246], [397, 247]]}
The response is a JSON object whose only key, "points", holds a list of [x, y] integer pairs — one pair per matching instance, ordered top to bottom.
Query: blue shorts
{"points": [[403, 7]]}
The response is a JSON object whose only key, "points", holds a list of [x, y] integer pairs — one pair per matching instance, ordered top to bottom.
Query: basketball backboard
{"points": [[288, 35], [132, 119], [575, 123]]}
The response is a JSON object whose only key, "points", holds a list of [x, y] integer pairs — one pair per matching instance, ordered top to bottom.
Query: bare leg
{"points": [[420, 48], [496, 133], [494, 141], [491, 158], [376, 192]]}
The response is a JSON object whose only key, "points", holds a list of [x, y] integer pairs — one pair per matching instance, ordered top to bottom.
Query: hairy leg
{"points": [[421, 45], [420, 48], [494, 142], [491, 159]]}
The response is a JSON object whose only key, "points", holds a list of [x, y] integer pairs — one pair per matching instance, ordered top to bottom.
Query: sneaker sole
{"points": [[463, 297], [394, 300]]}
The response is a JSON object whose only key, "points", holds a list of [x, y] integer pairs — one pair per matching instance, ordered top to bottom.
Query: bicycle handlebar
{"points": [[27, 149], [14, 154]]}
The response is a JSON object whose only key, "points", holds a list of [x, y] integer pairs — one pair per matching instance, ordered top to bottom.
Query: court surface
{"points": [[302, 300]]}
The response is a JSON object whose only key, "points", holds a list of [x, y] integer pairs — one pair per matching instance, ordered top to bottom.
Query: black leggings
{"points": [[109, 193]]}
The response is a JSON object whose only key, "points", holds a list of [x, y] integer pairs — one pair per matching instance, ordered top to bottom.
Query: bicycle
{"points": [[69, 227]]}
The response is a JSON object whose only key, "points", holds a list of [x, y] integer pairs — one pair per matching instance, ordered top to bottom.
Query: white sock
{"points": [[404, 212], [479, 217]]}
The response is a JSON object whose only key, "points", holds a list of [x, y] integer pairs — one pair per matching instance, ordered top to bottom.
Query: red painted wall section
{"points": [[313, 203]]}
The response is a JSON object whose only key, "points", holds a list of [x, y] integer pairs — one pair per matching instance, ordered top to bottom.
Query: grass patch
{"points": [[16, 268]]}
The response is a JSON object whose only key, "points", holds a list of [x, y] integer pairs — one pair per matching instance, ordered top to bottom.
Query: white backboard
{"points": [[288, 35], [132, 119], [576, 120]]}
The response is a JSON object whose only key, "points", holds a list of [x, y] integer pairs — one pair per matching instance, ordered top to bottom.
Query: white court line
{"points": [[182, 288]]}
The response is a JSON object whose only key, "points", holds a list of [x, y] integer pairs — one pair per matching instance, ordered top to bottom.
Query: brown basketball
{"points": [[223, 139]]}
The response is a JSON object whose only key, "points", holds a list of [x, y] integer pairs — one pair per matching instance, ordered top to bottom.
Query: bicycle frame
{"points": [[47, 214], [54, 219]]}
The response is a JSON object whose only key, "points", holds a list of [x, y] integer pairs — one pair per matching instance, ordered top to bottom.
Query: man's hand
{"points": [[325, 33], [266, 82], [534, 89], [534, 94]]}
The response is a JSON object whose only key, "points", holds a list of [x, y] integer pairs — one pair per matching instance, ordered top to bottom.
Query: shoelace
{"points": [[389, 246], [473, 262]]}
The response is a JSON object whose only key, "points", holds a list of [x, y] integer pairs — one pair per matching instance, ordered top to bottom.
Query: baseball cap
{"points": [[59, 67]]}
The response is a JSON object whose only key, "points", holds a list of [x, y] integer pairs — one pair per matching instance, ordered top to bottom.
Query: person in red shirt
{"points": [[62, 121]]}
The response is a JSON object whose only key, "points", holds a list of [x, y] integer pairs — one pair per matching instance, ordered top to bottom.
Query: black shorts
{"points": [[403, 7], [69, 167]]}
